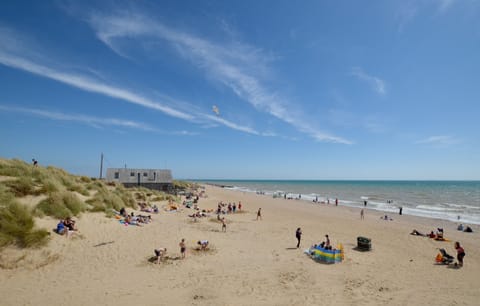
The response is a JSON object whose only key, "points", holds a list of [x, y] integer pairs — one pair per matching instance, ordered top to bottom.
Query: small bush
{"points": [[15, 168], [85, 179], [22, 186], [49, 186], [79, 188], [5, 195], [140, 196], [126, 197], [105, 200], [61, 205], [17, 227]]}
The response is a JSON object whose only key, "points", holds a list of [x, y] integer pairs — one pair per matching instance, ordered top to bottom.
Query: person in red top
{"points": [[460, 253]]}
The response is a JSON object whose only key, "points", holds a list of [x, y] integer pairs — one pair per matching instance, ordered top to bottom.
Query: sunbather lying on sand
{"points": [[417, 233]]}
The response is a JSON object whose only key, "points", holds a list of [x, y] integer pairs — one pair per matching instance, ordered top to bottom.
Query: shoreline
{"points": [[385, 207], [252, 263]]}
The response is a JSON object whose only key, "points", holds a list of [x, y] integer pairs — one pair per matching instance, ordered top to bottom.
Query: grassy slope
{"points": [[64, 195]]}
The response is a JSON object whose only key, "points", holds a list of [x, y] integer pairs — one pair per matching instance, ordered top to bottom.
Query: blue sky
{"points": [[304, 90]]}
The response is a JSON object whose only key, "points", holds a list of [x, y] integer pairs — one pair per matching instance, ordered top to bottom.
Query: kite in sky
{"points": [[216, 110]]}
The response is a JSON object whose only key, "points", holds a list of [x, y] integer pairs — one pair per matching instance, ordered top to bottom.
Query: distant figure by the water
{"points": [[362, 214]]}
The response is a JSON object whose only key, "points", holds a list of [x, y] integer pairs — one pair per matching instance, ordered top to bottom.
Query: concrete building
{"points": [[158, 179]]}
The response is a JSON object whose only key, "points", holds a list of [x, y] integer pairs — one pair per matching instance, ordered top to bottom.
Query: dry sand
{"points": [[253, 263]]}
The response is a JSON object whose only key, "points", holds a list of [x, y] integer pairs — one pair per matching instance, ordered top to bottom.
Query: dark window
{"points": [[132, 173], [145, 174], [117, 175]]}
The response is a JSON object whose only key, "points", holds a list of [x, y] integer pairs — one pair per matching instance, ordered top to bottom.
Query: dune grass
{"points": [[21, 187], [108, 197], [61, 204], [17, 221], [17, 226]]}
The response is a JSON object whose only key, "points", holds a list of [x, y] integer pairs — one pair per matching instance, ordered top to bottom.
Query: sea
{"points": [[457, 201]]}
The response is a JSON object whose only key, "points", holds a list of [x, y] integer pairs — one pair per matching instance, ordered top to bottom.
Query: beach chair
{"points": [[364, 243], [444, 258]]}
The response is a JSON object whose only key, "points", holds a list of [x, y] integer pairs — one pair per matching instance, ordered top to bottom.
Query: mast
{"points": [[101, 165]]}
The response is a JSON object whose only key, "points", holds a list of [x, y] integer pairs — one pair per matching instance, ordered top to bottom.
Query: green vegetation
{"points": [[182, 185], [21, 187], [62, 199], [61, 204], [17, 224]]}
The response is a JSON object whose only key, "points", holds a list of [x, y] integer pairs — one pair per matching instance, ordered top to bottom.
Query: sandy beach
{"points": [[252, 263]]}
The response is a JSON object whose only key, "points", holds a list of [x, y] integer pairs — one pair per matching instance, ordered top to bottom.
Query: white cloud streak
{"points": [[9, 57], [236, 65], [89, 84], [377, 84], [89, 120], [438, 140]]}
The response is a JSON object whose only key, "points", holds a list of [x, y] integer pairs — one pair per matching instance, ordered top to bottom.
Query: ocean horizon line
{"points": [[329, 180]]}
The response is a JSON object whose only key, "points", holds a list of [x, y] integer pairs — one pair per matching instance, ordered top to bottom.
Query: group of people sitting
{"points": [[147, 208], [199, 214], [132, 219], [66, 226], [466, 229], [437, 236], [324, 244]]}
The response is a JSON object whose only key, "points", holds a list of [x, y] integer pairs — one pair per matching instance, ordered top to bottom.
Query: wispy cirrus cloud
{"points": [[444, 5], [407, 11], [17, 53], [236, 65], [86, 83], [377, 84], [84, 119], [439, 140]]}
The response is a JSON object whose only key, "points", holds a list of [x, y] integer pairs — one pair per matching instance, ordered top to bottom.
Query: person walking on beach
{"points": [[336, 202], [259, 214], [362, 214], [224, 225], [298, 234], [183, 248], [460, 253]]}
